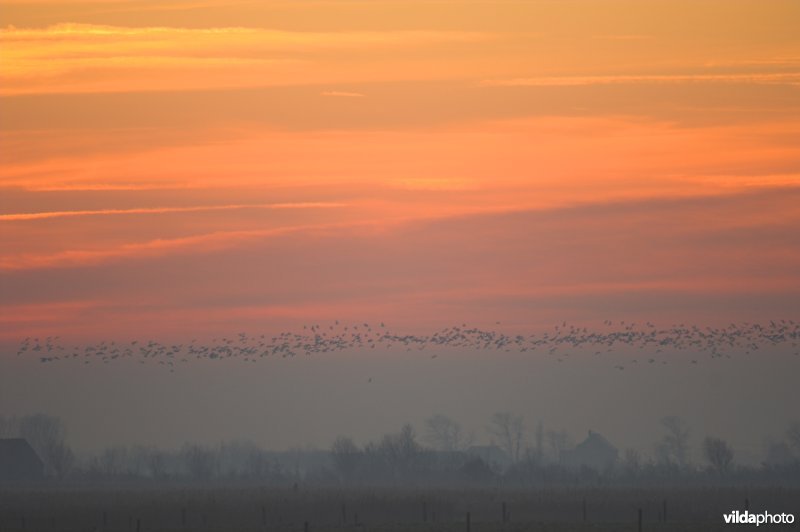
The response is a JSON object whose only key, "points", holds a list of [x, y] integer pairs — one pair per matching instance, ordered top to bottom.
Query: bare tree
{"points": [[6, 427], [510, 432], [445, 434], [793, 435], [48, 436], [538, 439], [559, 442], [675, 444], [401, 447], [399, 451], [718, 453], [779, 454], [346, 457], [62, 459], [113, 460], [137, 460], [632, 461], [200, 462], [156, 463], [256, 463]]}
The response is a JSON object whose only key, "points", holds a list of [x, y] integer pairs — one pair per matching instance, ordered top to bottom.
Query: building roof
{"points": [[596, 441], [18, 460]]}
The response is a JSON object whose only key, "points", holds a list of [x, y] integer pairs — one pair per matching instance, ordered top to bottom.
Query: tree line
{"points": [[443, 454]]}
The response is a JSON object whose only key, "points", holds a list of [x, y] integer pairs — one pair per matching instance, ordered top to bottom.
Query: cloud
{"points": [[623, 37], [143, 38], [95, 58], [775, 78], [343, 94], [96, 187], [161, 210], [476, 227], [201, 243], [712, 256], [70, 258], [38, 313]]}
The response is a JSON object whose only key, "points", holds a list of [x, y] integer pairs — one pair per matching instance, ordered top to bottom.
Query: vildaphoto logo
{"points": [[764, 518]]}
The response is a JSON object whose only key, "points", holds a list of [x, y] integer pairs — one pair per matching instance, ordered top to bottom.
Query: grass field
{"points": [[254, 509]]}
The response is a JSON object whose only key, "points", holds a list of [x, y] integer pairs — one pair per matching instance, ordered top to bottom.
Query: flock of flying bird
{"points": [[644, 342]]}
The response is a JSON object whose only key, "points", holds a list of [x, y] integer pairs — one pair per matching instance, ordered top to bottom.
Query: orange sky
{"points": [[173, 166]]}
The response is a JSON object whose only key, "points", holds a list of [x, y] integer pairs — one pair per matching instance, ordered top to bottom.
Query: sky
{"points": [[177, 169]]}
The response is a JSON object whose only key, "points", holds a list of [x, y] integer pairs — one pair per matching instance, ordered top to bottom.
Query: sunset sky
{"points": [[172, 166], [173, 169]]}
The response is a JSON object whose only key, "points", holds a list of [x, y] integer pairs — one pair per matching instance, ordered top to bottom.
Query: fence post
{"points": [[584, 509], [664, 510], [505, 513], [344, 514], [640, 520], [468, 522]]}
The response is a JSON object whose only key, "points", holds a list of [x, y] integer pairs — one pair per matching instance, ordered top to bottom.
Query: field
{"points": [[254, 509]]}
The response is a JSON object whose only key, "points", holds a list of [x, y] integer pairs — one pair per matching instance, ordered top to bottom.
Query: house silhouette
{"points": [[594, 452], [19, 462]]}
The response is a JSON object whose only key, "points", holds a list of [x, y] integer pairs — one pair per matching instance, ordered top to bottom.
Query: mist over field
{"points": [[307, 400]]}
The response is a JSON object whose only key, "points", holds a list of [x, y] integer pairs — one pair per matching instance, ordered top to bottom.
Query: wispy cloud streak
{"points": [[99, 58], [778, 78], [164, 210]]}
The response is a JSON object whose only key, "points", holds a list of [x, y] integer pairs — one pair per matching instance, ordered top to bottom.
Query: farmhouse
{"points": [[595, 452], [18, 461]]}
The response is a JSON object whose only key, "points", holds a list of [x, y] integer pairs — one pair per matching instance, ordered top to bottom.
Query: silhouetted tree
{"points": [[6, 428], [510, 432], [445, 434], [793, 435], [48, 436], [538, 438], [559, 442], [401, 447], [674, 447], [399, 451], [718, 453], [778, 454], [346, 457], [62, 459], [113, 460], [200, 462], [632, 462], [156, 463], [256, 463]]}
